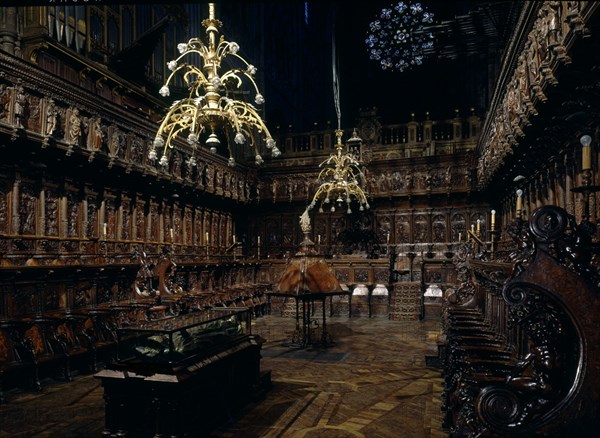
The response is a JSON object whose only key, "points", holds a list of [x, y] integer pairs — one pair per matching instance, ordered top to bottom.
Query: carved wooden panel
{"points": [[28, 205], [4, 209], [52, 212], [126, 214], [73, 215], [92, 216], [153, 221], [458, 227], [439, 228], [421, 229], [402, 232], [342, 275], [361, 275], [381, 276], [50, 293]]}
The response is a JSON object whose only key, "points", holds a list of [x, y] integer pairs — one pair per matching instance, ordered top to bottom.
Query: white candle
{"points": [[586, 152], [519, 200], [493, 217], [478, 225], [105, 229], [171, 232], [206, 237], [459, 237], [234, 238], [388, 238], [319, 239], [258, 240]]}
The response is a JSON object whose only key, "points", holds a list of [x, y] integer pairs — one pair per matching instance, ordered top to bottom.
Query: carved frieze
{"points": [[545, 47]]}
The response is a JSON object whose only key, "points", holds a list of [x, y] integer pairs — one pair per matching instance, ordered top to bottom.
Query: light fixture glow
{"points": [[211, 106]]}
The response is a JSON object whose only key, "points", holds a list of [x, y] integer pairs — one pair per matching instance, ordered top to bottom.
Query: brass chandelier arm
{"points": [[211, 107]]}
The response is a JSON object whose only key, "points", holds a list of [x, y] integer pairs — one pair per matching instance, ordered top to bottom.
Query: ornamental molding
{"points": [[543, 36]]}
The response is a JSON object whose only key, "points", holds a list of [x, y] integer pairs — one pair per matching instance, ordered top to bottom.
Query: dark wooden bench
{"points": [[522, 344], [17, 369]]}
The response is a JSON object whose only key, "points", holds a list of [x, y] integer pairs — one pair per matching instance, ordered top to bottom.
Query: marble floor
{"points": [[371, 382]]}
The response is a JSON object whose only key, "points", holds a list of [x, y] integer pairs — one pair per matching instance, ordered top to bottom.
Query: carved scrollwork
{"points": [[548, 223], [514, 295], [498, 407]]}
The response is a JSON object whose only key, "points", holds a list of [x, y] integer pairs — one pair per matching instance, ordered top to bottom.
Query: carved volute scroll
{"points": [[554, 301]]}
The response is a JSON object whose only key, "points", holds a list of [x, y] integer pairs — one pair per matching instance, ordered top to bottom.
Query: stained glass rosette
{"points": [[397, 37]]}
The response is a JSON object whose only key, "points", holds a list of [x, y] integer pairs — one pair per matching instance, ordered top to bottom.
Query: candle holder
{"points": [[586, 189]]}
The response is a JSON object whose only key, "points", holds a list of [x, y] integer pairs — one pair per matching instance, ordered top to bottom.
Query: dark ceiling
{"points": [[292, 42], [458, 72]]}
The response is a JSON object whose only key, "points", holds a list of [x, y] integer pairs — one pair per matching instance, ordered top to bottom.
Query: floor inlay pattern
{"points": [[372, 382]]}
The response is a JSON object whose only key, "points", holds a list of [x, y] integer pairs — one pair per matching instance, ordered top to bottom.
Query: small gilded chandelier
{"points": [[210, 107], [340, 180]]}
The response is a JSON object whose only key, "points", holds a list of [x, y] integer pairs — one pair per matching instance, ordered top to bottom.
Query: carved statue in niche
{"points": [[540, 32], [533, 65], [523, 87], [4, 101], [20, 108], [52, 115], [34, 118], [74, 126], [95, 134], [115, 142], [136, 154], [176, 167], [210, 173], [218, 178], [428, 180], [396, 181], [408, 182], [382, 183], [233, 187], [274, 187], [241, 189], [247, 190], [3, 213], [27, 213], [51, 214], [153, 215], [111, 218], [167, 223], [73, 224], [92, 224], [176, 225], [458, 227], [140, 228], [188, 228], [206, 228], [215, 229], [385, 229], [439, 229], [402, 230], [420, 231], [125, 232]]}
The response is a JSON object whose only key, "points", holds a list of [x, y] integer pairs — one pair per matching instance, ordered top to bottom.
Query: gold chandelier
{"points": [[211, 107], [340, 180]]}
